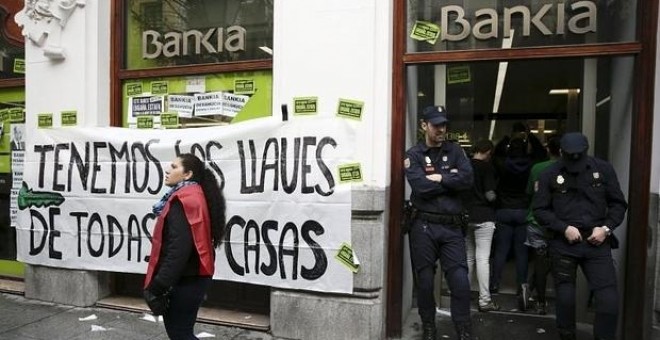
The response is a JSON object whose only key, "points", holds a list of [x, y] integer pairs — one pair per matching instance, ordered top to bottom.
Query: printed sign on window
{"points": [[425, 31], [244, 86], [134, 89]]}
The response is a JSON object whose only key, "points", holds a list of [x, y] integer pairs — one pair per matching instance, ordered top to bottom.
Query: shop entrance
{"points": [[493, 100]]}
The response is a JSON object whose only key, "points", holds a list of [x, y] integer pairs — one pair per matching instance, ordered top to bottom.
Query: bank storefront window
{"points": [[475, 24], [188, 32], [12, 51], [192, 63], [186, 64], [194, 101], [12, 134], [12, 148]]}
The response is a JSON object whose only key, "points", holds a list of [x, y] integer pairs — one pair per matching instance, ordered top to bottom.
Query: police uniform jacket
{"points": [[450, 161], [586, 199]]}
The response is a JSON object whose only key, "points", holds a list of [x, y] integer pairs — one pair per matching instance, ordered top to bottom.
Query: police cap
{"points": [[435, 115], [574, 143]]}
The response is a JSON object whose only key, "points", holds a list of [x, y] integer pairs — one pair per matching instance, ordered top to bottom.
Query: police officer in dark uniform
{"points": [[438, 171], [579, 198]]}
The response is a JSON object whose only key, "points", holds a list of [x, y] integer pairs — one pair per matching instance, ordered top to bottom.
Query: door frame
{"points": [[643, 50]]}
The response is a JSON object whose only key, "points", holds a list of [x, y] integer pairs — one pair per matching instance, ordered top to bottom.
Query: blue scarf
{"points": [[158, 207]]}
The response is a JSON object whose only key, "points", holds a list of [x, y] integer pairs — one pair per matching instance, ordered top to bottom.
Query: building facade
{"points": [[584, 66]]}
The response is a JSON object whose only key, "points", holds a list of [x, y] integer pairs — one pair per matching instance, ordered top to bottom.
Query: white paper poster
{"points": [[208, 103], [233, 103], [183, 105]]}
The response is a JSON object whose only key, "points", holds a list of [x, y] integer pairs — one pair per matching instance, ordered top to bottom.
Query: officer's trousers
{"points": [[428, 243], [597, 264]]}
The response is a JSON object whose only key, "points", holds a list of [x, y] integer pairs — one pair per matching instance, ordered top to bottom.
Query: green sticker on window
{"points": [[425, 31], [19, 66], [458, 74], [244, 86], [159, 87], [134, 89], [305, 105], [350, 109], [17, 115], [69, 118], [45, 120], [169, 120], [145, 122], [350, 173], [345, 256]]}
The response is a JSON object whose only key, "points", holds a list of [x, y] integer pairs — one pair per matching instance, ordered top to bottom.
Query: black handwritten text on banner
{"points": [[88, 192]]}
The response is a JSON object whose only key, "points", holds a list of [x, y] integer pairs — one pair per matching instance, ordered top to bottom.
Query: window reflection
{"points": [[479, 24], [184, 32], [12, 51], [486, 99]]}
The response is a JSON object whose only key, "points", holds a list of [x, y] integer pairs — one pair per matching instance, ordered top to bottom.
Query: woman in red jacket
{"points": [[190, 225]]}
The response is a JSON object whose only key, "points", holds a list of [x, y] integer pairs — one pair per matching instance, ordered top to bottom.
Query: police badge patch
{"points": [[406, 163]]}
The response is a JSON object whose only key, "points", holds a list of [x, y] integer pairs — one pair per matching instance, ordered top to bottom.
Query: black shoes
{"points": [[541, 307], [464, 330], [429, 331], [567, 335]]}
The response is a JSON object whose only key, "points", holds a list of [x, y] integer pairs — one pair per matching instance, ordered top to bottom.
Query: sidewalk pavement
{"points": [[25, 319]]}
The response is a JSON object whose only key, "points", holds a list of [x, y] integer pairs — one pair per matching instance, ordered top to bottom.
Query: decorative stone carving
{"points": [[43, 21]]}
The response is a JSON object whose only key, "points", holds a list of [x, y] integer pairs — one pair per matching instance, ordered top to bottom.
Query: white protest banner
{"points": [[87, 197]]}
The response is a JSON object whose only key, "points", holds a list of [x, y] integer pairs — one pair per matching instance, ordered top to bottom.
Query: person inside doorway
{"points": [[438, 171], [580, 200], [480, 203], [511, 216], [537, 235]]}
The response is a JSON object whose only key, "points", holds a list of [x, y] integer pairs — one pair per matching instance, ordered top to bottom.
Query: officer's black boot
{"points": [[464, 330], [429, 331], [567, 335]]}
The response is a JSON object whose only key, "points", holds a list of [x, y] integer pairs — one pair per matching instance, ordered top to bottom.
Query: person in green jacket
{"points": [[536, 234]]}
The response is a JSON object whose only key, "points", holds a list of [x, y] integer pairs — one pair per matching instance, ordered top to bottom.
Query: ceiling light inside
{"points": [[564, 91]]}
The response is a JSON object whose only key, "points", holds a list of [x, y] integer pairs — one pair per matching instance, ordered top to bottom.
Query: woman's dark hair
{"points": [[553, 145], [517, 147], [214, 197]]}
